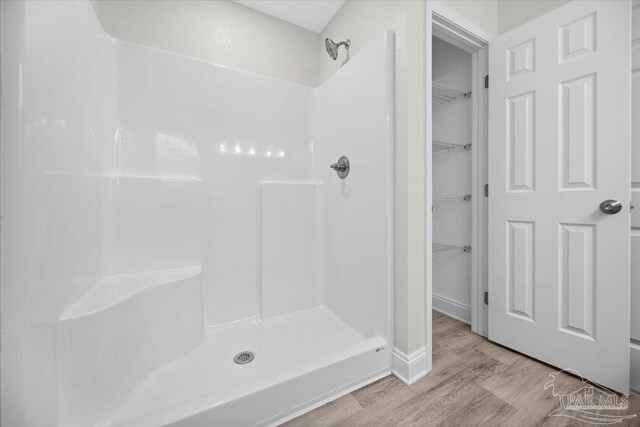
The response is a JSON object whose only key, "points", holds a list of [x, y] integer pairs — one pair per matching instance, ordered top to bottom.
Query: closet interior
{"points": [[452, 180]]}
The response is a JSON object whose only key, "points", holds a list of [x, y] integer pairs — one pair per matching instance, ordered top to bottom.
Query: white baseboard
{"points": [[452, 308], [635, 366], [409, 368]]}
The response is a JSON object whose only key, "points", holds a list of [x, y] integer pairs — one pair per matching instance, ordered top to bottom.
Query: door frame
{"points": [[447, 25], [635, 65]]}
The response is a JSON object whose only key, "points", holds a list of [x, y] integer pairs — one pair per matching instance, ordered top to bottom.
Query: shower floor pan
{"points": [[302, 360]]}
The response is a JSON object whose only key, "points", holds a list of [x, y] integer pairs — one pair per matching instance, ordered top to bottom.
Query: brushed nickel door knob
{"points": [[611, 206]]}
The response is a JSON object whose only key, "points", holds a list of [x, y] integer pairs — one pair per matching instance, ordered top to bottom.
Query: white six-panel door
{"points": [[559, 145]]}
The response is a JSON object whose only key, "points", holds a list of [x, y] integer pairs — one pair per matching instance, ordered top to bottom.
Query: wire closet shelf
{"points": [[443, 95], [441, 146], [465, 198], [441, 249]]}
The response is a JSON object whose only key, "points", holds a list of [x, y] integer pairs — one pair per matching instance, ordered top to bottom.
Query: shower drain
{"points": [[243, 357]]}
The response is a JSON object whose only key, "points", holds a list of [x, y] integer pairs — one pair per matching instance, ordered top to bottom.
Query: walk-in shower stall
{"points": [[175, 246]]}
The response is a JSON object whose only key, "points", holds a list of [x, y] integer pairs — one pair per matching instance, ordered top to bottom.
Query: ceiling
{"points": [[313, 15]]}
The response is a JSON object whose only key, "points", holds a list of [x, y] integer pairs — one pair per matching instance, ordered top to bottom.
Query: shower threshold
{"points": [[300, 361]]}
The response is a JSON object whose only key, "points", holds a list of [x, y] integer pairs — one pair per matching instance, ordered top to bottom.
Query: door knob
{"points": [[611, 206]]}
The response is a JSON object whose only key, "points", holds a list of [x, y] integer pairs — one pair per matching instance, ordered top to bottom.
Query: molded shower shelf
{"points": [[442, 95], [441, 146], [466, 198], [440, 249], [113, 290], [120, 332]]}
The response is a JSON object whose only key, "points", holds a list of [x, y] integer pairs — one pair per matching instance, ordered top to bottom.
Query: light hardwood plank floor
{"points": [[474, 382]]}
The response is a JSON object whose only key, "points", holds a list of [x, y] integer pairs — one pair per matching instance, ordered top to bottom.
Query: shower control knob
{"points": [[341, 167], [611, 206]]}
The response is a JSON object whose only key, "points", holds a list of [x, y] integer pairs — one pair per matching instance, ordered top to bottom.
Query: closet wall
{"points": [[451, 182]]}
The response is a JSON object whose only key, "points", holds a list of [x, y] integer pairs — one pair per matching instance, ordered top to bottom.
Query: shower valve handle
{"points": [[341, 167]]}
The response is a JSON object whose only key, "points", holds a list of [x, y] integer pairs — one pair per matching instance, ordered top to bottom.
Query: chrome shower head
{"points": [[332, 47]]}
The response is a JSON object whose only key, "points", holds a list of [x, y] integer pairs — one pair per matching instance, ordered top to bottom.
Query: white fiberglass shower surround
{"points": [[162, 215]]}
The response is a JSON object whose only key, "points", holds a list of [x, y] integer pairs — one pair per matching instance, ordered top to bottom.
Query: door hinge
{"points": [[486, 81], [486, 190], [486, 298]]}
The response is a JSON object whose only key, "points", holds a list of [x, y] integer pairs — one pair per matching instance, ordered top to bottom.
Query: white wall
{"points": [[482, 13], [512, 13], [500, 16], [362, 21], [219, 32], [229, 34]]}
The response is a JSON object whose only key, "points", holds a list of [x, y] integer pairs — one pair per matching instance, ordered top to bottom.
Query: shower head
{"points": [[332, 47]]}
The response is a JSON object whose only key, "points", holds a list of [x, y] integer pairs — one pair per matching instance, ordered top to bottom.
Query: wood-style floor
{"points": [[474, 382]]}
